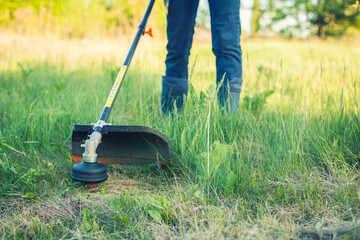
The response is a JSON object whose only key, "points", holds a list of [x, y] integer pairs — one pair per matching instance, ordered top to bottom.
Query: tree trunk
{"points": [[256, 15], [319, 31]]}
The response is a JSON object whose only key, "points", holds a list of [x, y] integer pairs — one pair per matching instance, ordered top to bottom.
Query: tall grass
{"points": [[288, 158]]}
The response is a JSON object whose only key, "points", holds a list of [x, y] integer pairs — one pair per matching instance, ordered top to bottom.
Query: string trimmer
{"points": [[102, 143]]}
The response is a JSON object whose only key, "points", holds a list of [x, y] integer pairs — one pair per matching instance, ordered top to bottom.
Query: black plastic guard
{"points": [[130, 145]]}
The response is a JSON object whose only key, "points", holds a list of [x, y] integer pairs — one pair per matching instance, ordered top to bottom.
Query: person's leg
{"points": [[226, 30], [180, 31]]}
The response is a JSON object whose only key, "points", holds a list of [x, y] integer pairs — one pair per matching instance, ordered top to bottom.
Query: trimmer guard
{"points": [[129, 145]]}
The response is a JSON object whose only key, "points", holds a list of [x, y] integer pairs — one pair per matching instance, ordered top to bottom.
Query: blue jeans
{"points": [[225, 30]]}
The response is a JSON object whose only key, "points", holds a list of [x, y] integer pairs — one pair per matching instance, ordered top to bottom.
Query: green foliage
{"points": [[9, 6], [78, 18], [324, 18], [24, 72], [257, 102], [222, 162], [8, 174], [161, 211], [119, 217], [89, 223]]}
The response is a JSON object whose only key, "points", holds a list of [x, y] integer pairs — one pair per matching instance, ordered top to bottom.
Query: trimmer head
{"points": [[129, 145], [89, 173]]}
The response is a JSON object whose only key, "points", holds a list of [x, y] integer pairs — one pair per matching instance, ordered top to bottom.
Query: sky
{"points": [[246, 14]]}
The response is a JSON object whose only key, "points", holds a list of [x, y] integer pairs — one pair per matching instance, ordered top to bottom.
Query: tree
{"points": [[9, 6], [321, 17]]}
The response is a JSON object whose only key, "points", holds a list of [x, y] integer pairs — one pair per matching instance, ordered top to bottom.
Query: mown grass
{"points": [[285, 167]]}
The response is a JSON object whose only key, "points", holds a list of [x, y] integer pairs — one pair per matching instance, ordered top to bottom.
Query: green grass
{"points": [[285, 167]]}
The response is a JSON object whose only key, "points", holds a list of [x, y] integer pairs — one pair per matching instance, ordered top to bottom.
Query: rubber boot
{"points": [[171, 97], [229, 101], [234, 102]]}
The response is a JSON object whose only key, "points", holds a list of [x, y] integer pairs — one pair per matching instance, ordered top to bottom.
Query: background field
{"points": [[286, 167]]}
